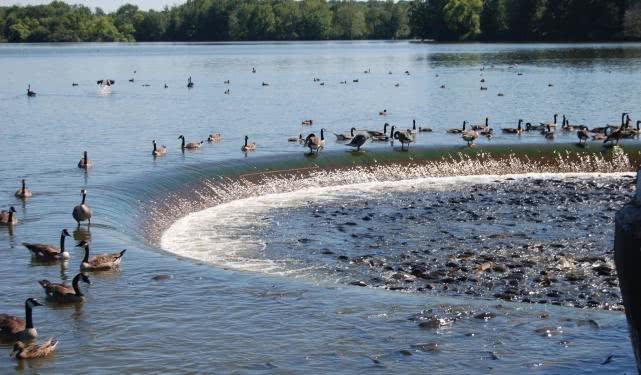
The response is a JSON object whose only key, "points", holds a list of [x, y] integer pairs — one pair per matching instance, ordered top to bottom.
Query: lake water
{"points": [[240, 300]]}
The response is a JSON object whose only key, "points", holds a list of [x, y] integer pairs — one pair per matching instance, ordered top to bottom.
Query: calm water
{"points": [[212, 319]]}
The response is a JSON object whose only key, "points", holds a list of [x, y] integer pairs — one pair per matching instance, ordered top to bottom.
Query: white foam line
{"points": [[225, 235]]}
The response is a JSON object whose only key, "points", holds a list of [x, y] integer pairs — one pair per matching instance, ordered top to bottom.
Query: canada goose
{"points": [[253, 70], [131, 80], [482, 80], [355, 81], [105, 82], [227, 82], [343, 82], [190, 83], [74, 84], [265, 84], [166, 86], [442, 86], [483, 88], [29, 92], [228, 92], [383, 113], [307, 122], [551, 124], [482, 126], [530, 127], [413, 130], [424, 130], [458, 130], [517, 130], [487, 132], [549, 132], [375, 133], [345, 136], [470, 136], [583, 136], [216, 137], [599, 137], [614, 137], [404, 138], [296, 139], [358, 141], [314, 143], [190, 145], [248, 146], [159, 151], [85, 163], [23, 192], [82, 211], [8, 217], [46, 252], [103, 262], [63, 293], [14, 328], [32, 350]]}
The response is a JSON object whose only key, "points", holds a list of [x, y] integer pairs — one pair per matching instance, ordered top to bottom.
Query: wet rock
{"points": [[162, 277], [358, 283]]}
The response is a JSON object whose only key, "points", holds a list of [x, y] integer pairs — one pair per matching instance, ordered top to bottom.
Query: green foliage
{"points": [[220, 20]]}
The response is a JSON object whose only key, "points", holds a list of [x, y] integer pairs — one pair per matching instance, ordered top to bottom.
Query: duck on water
{"points": [[49, 253], [14, 328]]}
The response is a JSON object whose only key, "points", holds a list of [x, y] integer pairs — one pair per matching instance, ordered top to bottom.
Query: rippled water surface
{"points": [[254, 280]]}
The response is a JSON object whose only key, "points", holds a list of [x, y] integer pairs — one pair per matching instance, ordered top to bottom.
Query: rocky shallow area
{"points": [[534, 240]]}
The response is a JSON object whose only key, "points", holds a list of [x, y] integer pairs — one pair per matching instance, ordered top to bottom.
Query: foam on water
{"points": [[226, 234]]}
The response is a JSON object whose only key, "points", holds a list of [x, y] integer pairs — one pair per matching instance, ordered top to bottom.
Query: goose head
{"points": [[181, 137], [12, 209], [65, 233], [83, 244], [85, 279], [32, 302], [18, 348]]}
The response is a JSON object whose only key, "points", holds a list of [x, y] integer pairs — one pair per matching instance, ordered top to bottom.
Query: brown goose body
{"points": [[190, 145], [248, 146], [158, 150], [85, 163], [23, 192], [82, 212], [8, 217], [47, 252], [103, 262], [63, 293], [14, 328], [32, 351]]}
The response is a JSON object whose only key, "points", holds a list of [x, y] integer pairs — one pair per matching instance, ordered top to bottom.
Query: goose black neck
{"points": [[555, 118], [487, 122], [464, 124], [322, 135], [246, 141], [183, 142], [154, 146], [85, 157], [24, 186], [84, 197], [10, 216], [62, 243], [86, 258], [76, 287], [28, 315]]}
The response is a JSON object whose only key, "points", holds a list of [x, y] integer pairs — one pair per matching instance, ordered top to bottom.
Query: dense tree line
{"points": [[209, 20], [222, 20], [526, 20]]}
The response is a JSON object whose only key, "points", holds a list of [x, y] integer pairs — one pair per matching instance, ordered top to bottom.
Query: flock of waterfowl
{"points": [[22, 332]]}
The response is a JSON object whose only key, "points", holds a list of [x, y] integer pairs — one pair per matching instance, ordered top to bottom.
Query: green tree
{"points": [[463, 17], [495, 19], [316, 20]]}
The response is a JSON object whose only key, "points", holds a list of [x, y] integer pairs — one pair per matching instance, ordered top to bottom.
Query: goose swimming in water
{"points": [[190, 83], [29, 92], [383, 113], [307, 122], [550, 124], [482, 126], [458, 130], [517, 130], [549, 132], [376, 133], [345, 136], [614, 136], [216, 137], [298, 139], [358, 141], [190, 145], [248, 146], [159, 151], [85, 163], [23, 192], [82, 212], [8, 217], [48, 253], [103, 262], [63, 293], [14, 328], [33, 350]]}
